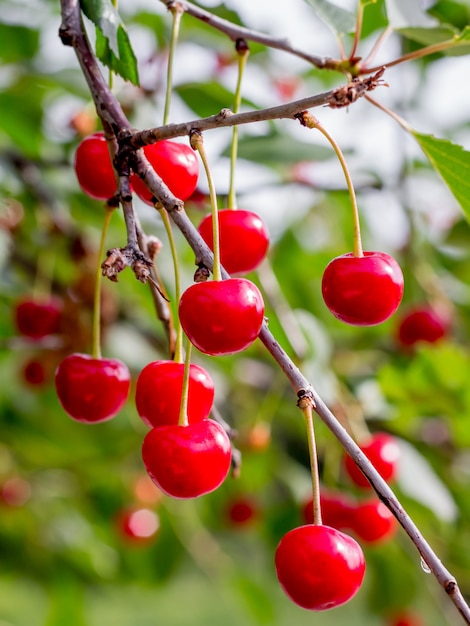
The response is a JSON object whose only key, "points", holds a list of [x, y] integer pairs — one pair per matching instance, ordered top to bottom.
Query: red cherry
{"points": [[175, 163], [93, 167], [244, 239], [363, 291], [222, 317], [37, 319], [422, 323], [34, 373], [159, 388], [91, 390], [383, 452], [187, 461], [15, 492], [336, 509], [241, 511], [373, 522], [138, 525], [319, 567], [405, 618]]}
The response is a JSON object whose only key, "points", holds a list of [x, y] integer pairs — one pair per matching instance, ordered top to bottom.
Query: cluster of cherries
{"points": [[186, 453]]}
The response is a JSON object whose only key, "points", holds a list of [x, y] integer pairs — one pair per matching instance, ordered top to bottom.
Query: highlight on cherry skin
{"points": [[176, 164], [243, 239], [363, 290], [222, 316], [159, 389], [92, 390], [187, 461], [319, 567]]}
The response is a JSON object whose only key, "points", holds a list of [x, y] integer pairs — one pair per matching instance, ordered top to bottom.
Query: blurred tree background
{"points": [[68, 552]]}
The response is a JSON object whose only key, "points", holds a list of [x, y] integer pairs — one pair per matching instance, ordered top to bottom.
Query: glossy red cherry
{"points": [[175, 163], [93, 167], [243, 239], [363, 291], [222, 316], [37, 318], [422, 324], [159, 388], [91, 390], [383, 452], [187, 461], [336, 509], [373, 522], [138, 525], [319, 567]]}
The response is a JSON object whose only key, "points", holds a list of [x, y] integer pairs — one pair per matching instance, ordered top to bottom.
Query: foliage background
{"points": [[62, 557]]}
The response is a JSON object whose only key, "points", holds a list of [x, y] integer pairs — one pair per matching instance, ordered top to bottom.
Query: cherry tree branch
{"points": [[234, 32], [72, 33]]}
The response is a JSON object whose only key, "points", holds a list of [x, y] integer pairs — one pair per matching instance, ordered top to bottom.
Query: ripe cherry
{"points": [[175, 163], [93, 167], [243, 238], [363, 290], [222, 317], [37, 319], [422, 324], [34, 373], [159, 388], [91, 390], [383, 452], [187, 461], [336, 509], [241, 511], [373, 522], [138, 525], [319, 567], [405, 618]]}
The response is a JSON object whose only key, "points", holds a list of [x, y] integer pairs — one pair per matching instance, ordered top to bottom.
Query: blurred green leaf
{"points": [[338, 19], [17, 42], [207, 99], [279, 149]]}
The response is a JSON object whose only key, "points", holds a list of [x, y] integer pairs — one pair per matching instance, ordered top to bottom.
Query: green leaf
{"points": [[374, 18], [338, 19], [17, 43], [113, 46], [124, 64], [207, 98], [279, 149], [452, 162]]}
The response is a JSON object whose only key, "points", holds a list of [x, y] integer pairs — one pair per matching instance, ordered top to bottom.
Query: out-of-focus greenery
{"points": [[63, 559]]}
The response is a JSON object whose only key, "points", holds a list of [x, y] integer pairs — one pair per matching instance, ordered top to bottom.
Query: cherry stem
{"points": [[177, 11], [358, 30], [380, 40], [242, 51], [392, 114], [307, 119], [197, 143], [96, 346], [178, 357], [306, 406], [183, 416]]}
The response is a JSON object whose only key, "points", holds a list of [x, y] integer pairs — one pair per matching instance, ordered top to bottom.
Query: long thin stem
{"points": [[177, 12], [357, 30], [243, 52], [311, 122], [198, 144], [96, 345], [178, 357], [305, 404], [183, 416]]}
